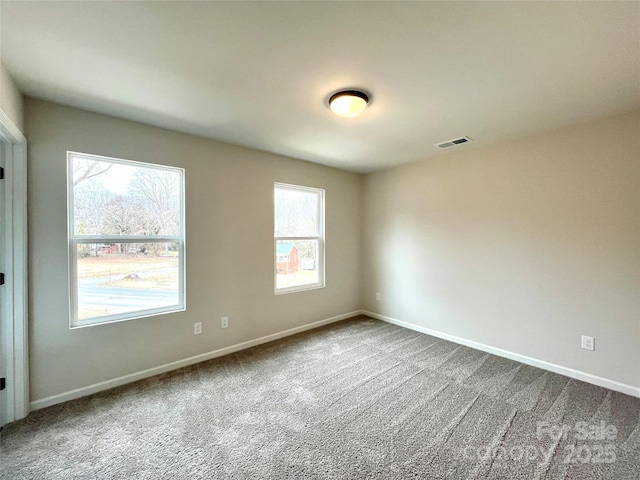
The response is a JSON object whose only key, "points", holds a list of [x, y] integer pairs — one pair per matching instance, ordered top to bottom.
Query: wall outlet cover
{"points": [[588, 343]]}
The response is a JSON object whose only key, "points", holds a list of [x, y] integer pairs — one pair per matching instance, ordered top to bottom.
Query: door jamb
{"points": [[14, 324]]}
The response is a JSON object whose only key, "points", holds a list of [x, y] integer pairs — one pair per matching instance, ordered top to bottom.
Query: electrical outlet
{"points": [[378, 296], [224, 322], [197, 328], [588, 343]]}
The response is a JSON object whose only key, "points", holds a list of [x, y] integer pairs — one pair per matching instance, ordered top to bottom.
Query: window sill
{"points": [[302, 288]]}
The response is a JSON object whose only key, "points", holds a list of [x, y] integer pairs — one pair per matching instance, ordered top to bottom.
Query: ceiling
{"points": [[259, 73]]}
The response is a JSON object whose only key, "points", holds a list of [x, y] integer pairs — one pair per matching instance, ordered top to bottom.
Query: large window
{"points": [[298, 238], [126, 239]]}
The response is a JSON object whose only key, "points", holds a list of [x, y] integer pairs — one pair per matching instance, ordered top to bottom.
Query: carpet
{"points": [[353, 400]]}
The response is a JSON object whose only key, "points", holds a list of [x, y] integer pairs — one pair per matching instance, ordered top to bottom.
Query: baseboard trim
{"points": [[534, 362], [133, 377]]}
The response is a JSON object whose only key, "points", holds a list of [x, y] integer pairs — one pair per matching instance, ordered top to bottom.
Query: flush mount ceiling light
{"points": [[348, 103]]}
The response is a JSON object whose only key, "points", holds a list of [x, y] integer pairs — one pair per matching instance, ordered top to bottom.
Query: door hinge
{"points": [[1, 173], [1, 278], [3, 383]]}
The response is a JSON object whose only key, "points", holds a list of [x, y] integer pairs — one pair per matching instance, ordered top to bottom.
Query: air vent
{"points": [[454, 142]]}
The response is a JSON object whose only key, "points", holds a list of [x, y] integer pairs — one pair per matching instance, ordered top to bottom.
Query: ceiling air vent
{"points": [[454, 142]]}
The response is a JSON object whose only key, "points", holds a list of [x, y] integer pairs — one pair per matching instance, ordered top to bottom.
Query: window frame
{"points": [[320, 192], [74, 241]]}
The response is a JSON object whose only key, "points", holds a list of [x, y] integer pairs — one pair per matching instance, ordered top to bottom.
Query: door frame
{"points": [[14, 319]]}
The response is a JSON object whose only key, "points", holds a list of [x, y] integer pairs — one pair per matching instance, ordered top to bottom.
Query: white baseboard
{"points": [[534, 362], [132, 377]]}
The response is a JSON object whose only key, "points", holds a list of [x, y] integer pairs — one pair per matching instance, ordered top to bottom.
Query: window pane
{"points": [[111, 198], [296, 213], [296, 263], [126, 277]]}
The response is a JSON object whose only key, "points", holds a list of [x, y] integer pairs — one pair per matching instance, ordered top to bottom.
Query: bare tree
{"points": [[86, 169], [159, 192], [91, 199], [150, 206], [296, 216], [126, 217]]}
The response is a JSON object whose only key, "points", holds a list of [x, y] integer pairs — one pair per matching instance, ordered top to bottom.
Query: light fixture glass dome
{"points": [[348, 103]]}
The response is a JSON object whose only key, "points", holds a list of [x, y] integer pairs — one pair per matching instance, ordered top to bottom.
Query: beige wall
{"points": [[11, 101], [523, 246], [229, 249]]}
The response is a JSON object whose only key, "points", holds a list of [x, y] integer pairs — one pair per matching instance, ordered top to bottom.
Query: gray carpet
{"points": [[356, 399]]}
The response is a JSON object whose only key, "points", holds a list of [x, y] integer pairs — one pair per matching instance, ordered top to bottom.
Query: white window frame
{"points": [[320, 239], [75, 240]]}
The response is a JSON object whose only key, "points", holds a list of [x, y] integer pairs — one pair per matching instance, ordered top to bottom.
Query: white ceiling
{"points": [[259, 74]]}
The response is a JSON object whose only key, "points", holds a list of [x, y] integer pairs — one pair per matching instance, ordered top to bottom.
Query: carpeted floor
{"points": [[357, 399]]}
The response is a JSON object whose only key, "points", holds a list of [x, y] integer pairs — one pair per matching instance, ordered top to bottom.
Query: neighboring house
{"points": [[287, 261]]}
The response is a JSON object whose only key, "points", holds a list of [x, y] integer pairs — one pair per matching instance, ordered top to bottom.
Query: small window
{"points": [[298, 238], [126, 239]]}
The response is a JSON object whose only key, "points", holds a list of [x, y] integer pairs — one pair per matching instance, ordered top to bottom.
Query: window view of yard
{"points": [[127, 232], [298, 237], [296, 263], [121, 278]]}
